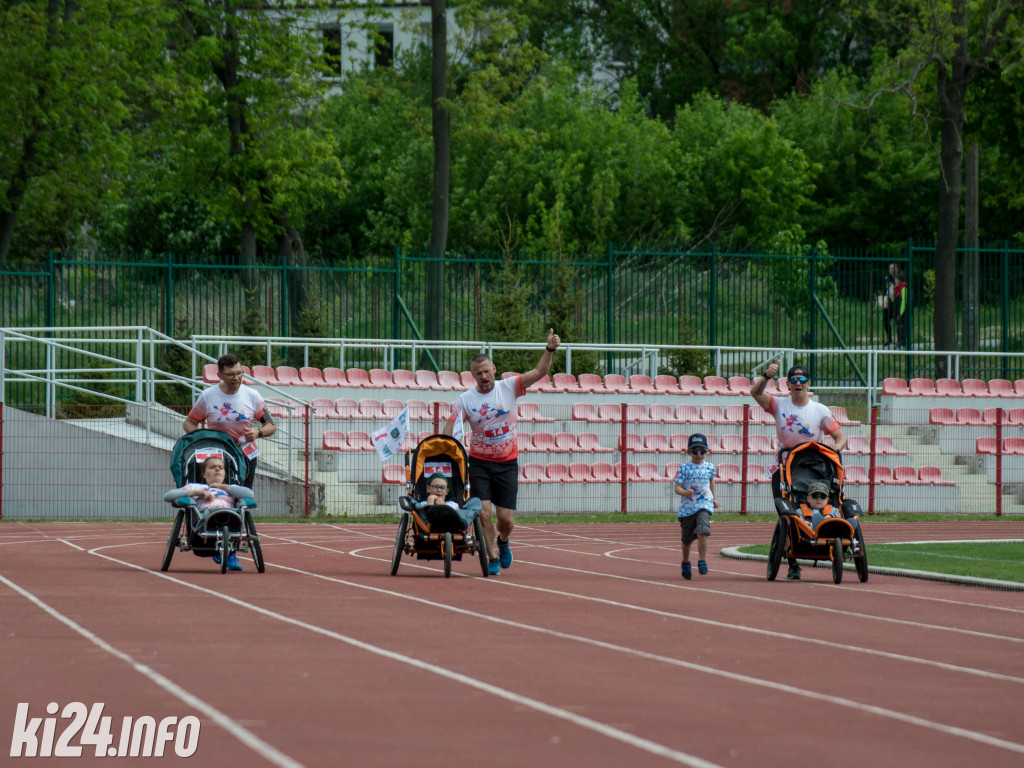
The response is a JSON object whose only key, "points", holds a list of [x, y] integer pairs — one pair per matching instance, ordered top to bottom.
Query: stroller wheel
{"points": [[172, 540], [254, 543], [225, 548], [481, 549], [776, 550], [396, 555], [447, 555], [837, 561], [860, 562]]}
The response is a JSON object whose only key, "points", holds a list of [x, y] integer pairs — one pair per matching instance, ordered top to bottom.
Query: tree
{"points": [[945, 44], [70, 72], [442, 165]]}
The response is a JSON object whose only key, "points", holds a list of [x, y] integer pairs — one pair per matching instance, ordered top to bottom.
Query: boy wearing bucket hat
{"points": [[695, 483]]}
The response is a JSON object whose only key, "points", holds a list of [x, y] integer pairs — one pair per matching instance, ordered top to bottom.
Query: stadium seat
{"points": [[264, 373], [210, 374], [288, 376], [312, 377], [335, 377], [357, 377], [379, 377], [403, 378], [425, 379], [466, 379], [448, 380], [564, 382], [589, 382], [615, 382], [639, 382], [543, 384], [666, 384], [689, 385], [716, 385], [739, 385], [895, 386], [922, 386], [948, 388], [974, 388], [1000, 388], [1018, 388], [391, 407], [323, 408], [346, 408], [370, 408], [418, 410], [531, 412], [584, 412], [609, 412], [636, 413], [661, 413], [686, 414], [711, 414], [732, 414], [759, 415], [941, 416], [989, 416], [969, 417], [1014, 417], [334, 440], [360, 441], [542, 441], [588, 441], [655, 441], [565, 442], [677, 442], [630, 443], [732, 443], [759, 444], [858, 446], [985, 446], [1013, 446], [885, 447], [670, 470], [630, 471], [647, 471], [531, 472], [580, 472], [602, 472], [393, 473], [557, 473], [729, 473], [757, 474], [856, 475], [880, 475], [905, 475], [933, 476]]}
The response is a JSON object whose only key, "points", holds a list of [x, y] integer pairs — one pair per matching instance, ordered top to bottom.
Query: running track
{"points": [[590, 652]]}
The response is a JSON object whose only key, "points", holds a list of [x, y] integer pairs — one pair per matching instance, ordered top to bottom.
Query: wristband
{"points": [[550, 349]]}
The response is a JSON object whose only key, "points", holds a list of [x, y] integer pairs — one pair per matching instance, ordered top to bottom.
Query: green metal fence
{"points": [[636, 294]]}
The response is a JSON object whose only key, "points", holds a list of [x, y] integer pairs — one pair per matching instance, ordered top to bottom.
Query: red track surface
{"points": [[590, 651]]}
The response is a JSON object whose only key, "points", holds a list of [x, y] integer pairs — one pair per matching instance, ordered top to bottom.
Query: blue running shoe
{"points": [[504, 553], [216, 559], [233, 564], [493, 567], [702, 567], [687, 572]]}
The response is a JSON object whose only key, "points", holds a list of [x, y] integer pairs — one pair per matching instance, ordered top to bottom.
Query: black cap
{"points": [[697, 440]]}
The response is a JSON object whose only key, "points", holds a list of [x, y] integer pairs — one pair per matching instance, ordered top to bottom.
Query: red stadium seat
{"points": [[264, 373], [210, 374], [288, 376], [312, 377], [335, 377], [357, 377], [379, 377], [402, 378], [425, 379], [448, 380], [466, 380], [564, 382], [589, 382], [615, 382], [639, 382], [543, 384], [666, 384], [689, 385], [716, 385], [739, 385], [895, 387], [923, 387], [948, 387], [1018, 387], [974, 388], [1000, 388], [391, 407], [323, 408], [346, 408], [370, 408], [418, 410], [531, 412], [584, 412], [609, 412], [636, 413], [661, 413], [687, 414], [712, 414], [732, 414], [989, 415], [941, 416], [969, 417], [1014, 417], [334, 440], [360, 441], [542, 441], [588, 441], [655, 441], [565, 442], [677, 442], [630, 443], [732, 443], [759, 444], [858, 446], [985, 446], [1014, 446], [885, 447], [670, 470], [630, 471], [647, 471], [580, 472], [602, 472], [531, 473], [557, 473], [730, 473], [393, 474], [757, 474], [856, 475], [880, 475], [905, 475], [933, 476]]}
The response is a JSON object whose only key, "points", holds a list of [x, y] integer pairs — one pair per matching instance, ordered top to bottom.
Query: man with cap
{"points": [[798, 419], [695, 483]]}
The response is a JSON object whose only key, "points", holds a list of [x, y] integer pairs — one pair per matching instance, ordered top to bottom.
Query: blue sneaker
{"points": [[504, 553], [216, 559], [233, 564], [493, 567], [702, 567], [687, 572]]}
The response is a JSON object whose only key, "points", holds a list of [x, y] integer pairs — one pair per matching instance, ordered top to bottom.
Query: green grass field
{"points": [[1001, 560]]}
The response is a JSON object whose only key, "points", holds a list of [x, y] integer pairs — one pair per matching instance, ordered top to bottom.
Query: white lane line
{"points": [[609, 731], [245, 736]]}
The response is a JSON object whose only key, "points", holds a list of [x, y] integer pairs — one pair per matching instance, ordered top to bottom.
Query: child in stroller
{"points": [[439, 520]]}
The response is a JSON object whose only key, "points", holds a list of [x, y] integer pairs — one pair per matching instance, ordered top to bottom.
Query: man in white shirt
{"points": [[234, 408], [490, 408]]}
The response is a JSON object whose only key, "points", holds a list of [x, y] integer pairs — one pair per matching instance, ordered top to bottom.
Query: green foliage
{"points": [[929, 288], [509, 314], [313, 323], [253, 324], [178, 361], [688, 362], [74, 404]]}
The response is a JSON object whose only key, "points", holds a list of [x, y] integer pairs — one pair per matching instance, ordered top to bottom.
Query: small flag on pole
{"points": [[459, 429], [388, 441]]}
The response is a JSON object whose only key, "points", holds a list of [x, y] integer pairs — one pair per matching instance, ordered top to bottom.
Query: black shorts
{"points": [[495, 481]]}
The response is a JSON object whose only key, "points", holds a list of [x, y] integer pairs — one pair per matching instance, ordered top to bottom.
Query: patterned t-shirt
{"points": [[232, 414], [492, 419], [804, 424], [697, 478], [221, 498]]}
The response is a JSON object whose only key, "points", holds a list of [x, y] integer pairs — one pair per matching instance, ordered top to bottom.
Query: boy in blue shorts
{"points": [[695, 482]]}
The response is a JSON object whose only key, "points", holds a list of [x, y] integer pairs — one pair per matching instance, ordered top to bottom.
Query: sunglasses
{"points": [[798, 379], [698, 451], [819, 495]]}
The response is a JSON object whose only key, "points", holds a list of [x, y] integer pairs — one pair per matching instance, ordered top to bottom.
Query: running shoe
{"points": [[504, 553], [233, 564], [493, 567], [702, 567], [687, 571], [794, 573]]}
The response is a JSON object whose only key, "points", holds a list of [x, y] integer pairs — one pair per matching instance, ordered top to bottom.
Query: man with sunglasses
{"points": [[234, 408], [798, 420]]}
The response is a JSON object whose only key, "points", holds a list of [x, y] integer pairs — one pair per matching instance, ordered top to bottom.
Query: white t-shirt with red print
{"points": [[232, 414], [492, 419], [804, 424]]}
